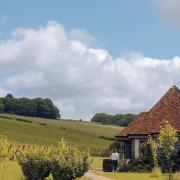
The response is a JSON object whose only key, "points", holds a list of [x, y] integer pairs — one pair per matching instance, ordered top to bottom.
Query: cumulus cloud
{"points": [[169, 9], [49, 61]]}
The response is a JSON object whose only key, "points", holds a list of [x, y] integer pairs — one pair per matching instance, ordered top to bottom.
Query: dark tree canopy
{"points": [[37, 107], [118, 119]]}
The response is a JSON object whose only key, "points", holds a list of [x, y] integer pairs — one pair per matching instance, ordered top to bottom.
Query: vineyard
{"points": [[28, 143], [62, 161]]}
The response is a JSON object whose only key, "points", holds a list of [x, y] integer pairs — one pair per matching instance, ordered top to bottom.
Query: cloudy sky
{"points": [[111, 56]]}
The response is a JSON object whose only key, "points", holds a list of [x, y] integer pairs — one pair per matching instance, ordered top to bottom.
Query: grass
{"points": [[29, 130], [97, 162], [10, 170], [130, 176]]}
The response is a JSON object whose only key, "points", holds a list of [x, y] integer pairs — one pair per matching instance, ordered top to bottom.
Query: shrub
{"points": [[146, 154], [64, 162], [69, 163], [139, 165], [34, 166], [134, 166], [124, 167], [140, 168], [156, 172]]}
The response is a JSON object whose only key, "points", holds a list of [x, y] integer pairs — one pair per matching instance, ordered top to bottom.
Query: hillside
{"points": [[44, 131]]}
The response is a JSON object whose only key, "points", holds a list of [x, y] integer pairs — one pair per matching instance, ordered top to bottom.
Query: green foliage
{"points": [[1, 106], [29, 107], [118, 119], [167, 140], [115, 145], [153, 147], [145, 154], [62, 161], [69, 163], [35, 166], [134, 166], [124, 167], [140, 168]]}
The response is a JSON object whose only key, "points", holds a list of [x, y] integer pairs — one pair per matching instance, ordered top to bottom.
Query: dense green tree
{"points": [[9, 104], [1, 106], [26, 107], [37, 107], [102, 118], [118, 119]]}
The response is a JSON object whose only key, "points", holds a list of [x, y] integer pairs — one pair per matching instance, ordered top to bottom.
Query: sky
{"points": [[110, 56]]}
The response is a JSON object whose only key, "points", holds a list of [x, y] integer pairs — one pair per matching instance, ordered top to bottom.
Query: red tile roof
{"points": [[166, 109]]}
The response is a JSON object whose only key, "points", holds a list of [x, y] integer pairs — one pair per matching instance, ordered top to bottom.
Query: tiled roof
{"points": [[166, 109]]}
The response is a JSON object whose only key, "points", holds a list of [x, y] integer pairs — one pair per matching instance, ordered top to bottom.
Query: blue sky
{"points": [[119, 26], [113, 56]]}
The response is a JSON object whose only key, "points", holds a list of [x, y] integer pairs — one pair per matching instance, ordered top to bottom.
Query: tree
{"points": [[9, 104], [1, 106], [37, 107], [118, 119], [167, 140], [153, 147]]}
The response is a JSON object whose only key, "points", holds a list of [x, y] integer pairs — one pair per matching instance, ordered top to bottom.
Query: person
{"points": [[115, 160]]}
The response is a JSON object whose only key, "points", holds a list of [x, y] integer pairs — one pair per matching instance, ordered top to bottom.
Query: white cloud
{"points": [[169, 9], [82, 80], [3, 92]]}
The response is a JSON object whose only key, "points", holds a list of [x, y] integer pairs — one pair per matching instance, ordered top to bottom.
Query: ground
{"points": [[29, 130], [11, 171]]}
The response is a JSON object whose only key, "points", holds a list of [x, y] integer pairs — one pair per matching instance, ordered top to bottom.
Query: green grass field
{"points": [[29, 130], [10, 170], [130, 176]]}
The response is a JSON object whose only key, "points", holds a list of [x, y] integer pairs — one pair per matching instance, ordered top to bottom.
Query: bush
{"points": [[64, 162], [69, 163], [34, 166], [134, 166], [125, 167], [140, 168]]}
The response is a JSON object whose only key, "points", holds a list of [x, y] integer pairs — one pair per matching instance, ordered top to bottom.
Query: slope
{"points": [[29, 130]]}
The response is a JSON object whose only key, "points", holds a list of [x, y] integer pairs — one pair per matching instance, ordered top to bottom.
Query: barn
{"points": [[149, 123]]}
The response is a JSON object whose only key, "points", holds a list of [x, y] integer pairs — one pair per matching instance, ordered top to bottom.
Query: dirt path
{"points": [[96, 177]]}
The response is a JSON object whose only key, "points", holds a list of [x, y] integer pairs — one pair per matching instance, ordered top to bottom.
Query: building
{"points": [[149, 123]]}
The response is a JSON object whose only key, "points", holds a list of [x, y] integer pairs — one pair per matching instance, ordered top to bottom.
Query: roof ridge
{"points": [[168, 107]]}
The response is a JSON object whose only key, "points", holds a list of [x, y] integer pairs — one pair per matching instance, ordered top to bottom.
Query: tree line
{"points": [[37, 107], [118, 119]]}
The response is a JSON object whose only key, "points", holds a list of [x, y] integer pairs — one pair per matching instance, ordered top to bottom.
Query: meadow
{"points": [[27, 130], [10, 170]]}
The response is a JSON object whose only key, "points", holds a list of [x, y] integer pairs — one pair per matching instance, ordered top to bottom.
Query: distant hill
{"points": [[37, 107], [118, 119], [29, 130]]}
